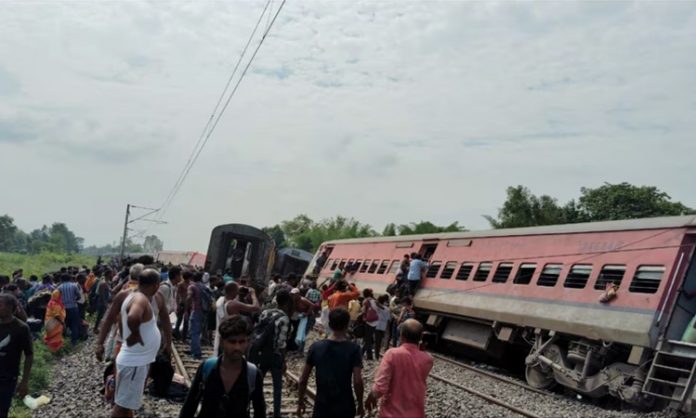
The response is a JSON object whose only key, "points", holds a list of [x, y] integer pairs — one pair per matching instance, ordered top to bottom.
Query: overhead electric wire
{"points": [[229, 98], [191, 160]]}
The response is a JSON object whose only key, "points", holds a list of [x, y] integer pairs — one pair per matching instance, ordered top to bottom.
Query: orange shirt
{"points": [[91, 279], [341, 299]]}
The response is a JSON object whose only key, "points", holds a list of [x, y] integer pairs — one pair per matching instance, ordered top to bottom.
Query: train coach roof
{"points": [[604, 226]]}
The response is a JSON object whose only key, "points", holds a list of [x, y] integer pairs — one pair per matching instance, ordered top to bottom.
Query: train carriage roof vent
{"points": [[647, 279]]}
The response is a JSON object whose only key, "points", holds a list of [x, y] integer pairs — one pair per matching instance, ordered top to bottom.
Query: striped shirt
{"points": [[70, 294]]}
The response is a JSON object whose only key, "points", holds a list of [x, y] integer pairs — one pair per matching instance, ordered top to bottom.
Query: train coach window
{"points": [[333, 263], [342, 264], [357, 265], [364, 267], [373, 267], [383, 267], [394, 268], [433, 269], [448, 271], [464, 271], [482, 272], [502, 273], [525, 274], [610, 274], [549, 275], [578, 276], [647, 279]]}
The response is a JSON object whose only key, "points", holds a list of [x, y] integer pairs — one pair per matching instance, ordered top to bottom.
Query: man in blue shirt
{"points": [[415, 272], [70, 294]]}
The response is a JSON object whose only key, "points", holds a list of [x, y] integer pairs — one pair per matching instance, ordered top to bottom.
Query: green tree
{"points": [[626, 201], [609, 202], [523, 208], [426, 227], [295, 228], [389, 230], [276, 232], [302, 232], [7, 233], [64, 239], [152, 244]]}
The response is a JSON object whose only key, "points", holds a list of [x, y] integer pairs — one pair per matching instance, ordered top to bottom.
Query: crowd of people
{"points": [[253, 331]]}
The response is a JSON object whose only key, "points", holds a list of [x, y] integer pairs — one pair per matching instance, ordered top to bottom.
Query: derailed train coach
{"points": [[242, 249], [247, 251], [601, 308]]}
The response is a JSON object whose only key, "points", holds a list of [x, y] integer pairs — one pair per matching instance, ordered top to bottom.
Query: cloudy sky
{"points": [[384, 111]]}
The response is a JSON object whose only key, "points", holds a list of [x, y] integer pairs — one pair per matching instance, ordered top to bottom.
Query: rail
{"points": [[489, 374], [488, 398]]}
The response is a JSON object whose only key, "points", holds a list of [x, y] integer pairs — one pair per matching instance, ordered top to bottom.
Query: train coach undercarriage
{"points": [[594, 369], [641, 377]]}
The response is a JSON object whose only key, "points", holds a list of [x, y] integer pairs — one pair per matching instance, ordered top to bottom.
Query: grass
{"points": [[42, 263], [44, 360], [39, 378]]}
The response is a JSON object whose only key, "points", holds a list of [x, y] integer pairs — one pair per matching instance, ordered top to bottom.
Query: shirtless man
{"points": [[231, 305], [138, 309]]}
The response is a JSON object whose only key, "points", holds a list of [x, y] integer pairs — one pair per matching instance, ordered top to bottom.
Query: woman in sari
{"points": [[54, 322]]}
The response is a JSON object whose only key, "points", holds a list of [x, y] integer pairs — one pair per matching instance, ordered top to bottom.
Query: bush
{"points": [[42, 263]]}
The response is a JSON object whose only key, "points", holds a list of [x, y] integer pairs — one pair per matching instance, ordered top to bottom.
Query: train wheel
{"points": [[539, 377]]}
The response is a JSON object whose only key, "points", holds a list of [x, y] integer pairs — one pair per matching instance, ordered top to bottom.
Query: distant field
{"points": [[41, 263]]}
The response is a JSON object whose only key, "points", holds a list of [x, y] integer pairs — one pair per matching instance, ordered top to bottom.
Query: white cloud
{"points": [[385, 111]]}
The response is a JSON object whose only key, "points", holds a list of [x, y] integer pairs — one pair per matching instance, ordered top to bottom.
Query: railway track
{"points": [[186, 366], [488, 374], [487, 397]]}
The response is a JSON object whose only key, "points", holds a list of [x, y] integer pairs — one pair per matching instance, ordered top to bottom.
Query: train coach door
{"points": [[428, 249]]}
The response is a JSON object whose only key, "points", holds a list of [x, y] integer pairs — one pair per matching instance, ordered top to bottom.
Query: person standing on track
{"points": [[195, 300], [229, 305], [182, 313], [142, 339], [269, 343], [338, 361], [401, 378], [224, 386]]}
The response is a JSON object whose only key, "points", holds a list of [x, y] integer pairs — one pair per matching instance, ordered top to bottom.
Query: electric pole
{"points": [[128, 221], [125, 233]]}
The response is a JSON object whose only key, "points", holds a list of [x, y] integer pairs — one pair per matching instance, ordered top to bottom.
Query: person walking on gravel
{"points": [[15, 339], [269, 344], [338, 362], [400, 380], [225, 386]]}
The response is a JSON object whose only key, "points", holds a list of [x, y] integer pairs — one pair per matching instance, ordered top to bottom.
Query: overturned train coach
{"points": [[544, 290]]}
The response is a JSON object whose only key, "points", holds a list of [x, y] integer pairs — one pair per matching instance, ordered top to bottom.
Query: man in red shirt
{"points": [[401, 378]]}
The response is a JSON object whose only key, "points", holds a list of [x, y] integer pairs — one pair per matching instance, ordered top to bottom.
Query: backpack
{"points": [[207, 298], [262, 342], [209, 366]]}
